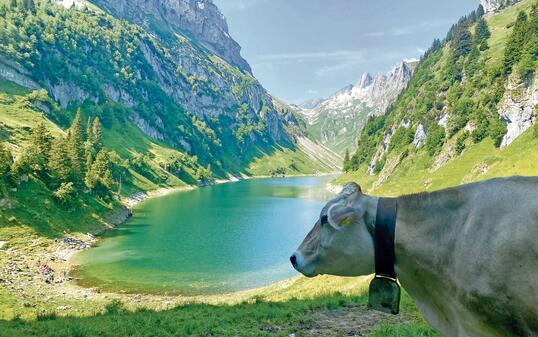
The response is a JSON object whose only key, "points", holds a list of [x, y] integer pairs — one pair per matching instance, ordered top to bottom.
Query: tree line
{"points": [[76, 163]]}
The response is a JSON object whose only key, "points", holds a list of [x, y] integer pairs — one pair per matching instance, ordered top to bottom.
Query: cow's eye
{"points": [[324, 220]]}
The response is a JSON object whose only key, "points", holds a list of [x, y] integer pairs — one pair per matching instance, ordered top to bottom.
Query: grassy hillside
{"points": [[462, 95], [345, 129], [479, 162], [254, 318]]}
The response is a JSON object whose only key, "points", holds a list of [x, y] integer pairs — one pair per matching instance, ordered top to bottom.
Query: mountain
{"points": [[199, 19], [168, 68], [102, 100], [468, 113], [336, 121]]}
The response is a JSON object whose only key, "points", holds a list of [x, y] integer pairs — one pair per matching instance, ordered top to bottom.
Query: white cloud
{"points": [[410, 29], [373, 34], [341, 56], [323, 71], [312, 92]]}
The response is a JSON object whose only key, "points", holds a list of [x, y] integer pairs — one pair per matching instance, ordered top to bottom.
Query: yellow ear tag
{"points": [[346, 221]]}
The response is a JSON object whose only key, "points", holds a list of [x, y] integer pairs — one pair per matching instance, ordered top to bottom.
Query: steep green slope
{"points": [[163, 82], [473, 93], [171, 113], [345, 131]]}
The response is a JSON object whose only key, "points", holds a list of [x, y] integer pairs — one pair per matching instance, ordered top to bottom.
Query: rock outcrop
{"points": [[495, 5], [200, 19], [13, 72], [517, 108]]}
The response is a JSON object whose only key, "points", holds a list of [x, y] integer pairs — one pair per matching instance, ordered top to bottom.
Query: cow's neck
{"points": [[426, 229]]}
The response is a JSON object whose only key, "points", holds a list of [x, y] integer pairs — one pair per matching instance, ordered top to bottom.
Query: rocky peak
{"points": [[199, 19], [402, 71], [366, 80], [344, 91], [339, 119]]}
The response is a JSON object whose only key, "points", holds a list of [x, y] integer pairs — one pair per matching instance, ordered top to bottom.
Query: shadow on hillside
{"points": [[333, 315], [258, 318]]}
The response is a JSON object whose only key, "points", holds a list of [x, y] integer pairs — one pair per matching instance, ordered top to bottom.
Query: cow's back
{"points": [[468, 255], [497, 260]]}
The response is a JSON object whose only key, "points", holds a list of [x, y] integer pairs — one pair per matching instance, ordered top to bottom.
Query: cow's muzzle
{"points": [[298, 262]]}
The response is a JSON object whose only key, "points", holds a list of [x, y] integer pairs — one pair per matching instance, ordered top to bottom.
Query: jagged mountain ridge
{"points": [[337, 120]]}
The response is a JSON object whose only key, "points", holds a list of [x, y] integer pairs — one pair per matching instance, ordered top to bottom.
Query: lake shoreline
{"points": [[134, 202], [52, 264]]}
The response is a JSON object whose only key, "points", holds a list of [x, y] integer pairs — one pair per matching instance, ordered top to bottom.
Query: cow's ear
{"points": [[340, 216]]}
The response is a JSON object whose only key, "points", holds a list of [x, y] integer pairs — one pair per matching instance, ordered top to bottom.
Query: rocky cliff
{"points": [[495, 5], [199, 19], [170, 69], [337, 120]]}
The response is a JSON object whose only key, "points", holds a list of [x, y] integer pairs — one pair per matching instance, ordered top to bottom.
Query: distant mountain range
{"points": [[337, 120]]}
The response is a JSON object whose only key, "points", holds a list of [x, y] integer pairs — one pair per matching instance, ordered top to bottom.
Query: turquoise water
{"points": [[211, 240]]}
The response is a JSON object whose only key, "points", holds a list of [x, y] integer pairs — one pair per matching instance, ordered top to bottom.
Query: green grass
{"points": [[499, 25], [12, 88], [293, 162], [478, 162], [35, 208], [255, 317], [259, 318]]}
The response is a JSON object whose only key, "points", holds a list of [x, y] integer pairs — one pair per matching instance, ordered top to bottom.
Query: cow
{"points": [[467, 255]]}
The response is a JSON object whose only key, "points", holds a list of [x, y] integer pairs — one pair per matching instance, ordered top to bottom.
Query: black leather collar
{"points": [[385, 228]]}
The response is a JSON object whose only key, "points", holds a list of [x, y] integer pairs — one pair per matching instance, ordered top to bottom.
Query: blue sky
{"points": [[302, 49]]}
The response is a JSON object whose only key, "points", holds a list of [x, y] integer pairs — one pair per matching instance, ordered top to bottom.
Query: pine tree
{"points": [[13, 4], [480, 11], [482, 34], [462, 43], [515, 44], [97, 134], [42, 139], [75, 148], [6, 161], [29, 161], [346, 161], [59, 164], [99, 176]]}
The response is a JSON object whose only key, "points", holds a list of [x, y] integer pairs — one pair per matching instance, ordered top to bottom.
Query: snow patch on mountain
{"points": [[376, 93], [338, 120]]}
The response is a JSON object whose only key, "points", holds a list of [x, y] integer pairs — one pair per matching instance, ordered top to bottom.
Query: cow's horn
{"points": [[351, 188]]}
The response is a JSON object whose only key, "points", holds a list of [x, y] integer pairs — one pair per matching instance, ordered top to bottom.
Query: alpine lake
{"points": [[211, 240]]}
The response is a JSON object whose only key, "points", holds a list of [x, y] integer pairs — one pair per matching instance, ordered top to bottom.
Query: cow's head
{"points": [[341, 242]]}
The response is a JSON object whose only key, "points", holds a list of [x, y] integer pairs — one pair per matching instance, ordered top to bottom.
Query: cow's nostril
{"points": [[293, 260]]}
